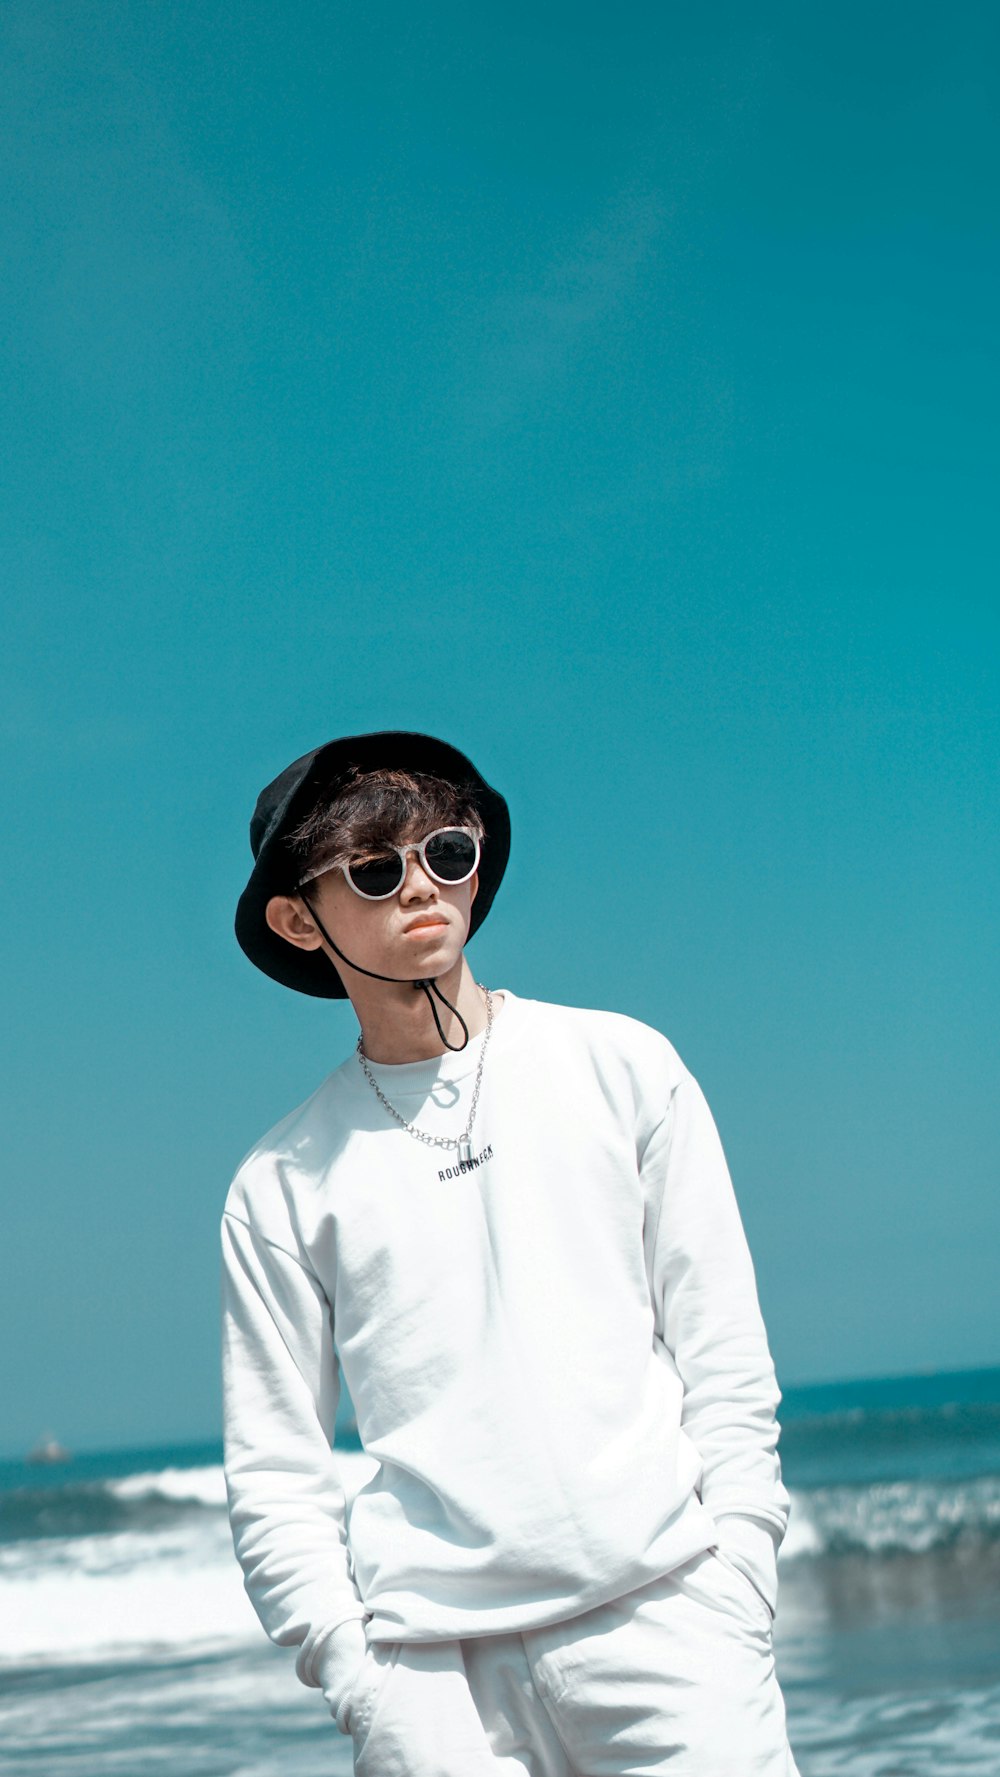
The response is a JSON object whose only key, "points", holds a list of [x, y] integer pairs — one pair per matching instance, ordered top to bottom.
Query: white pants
{"points": [[677, 1677]]}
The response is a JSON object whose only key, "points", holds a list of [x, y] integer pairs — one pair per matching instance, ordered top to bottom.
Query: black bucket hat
{"points": [[286, 801]]}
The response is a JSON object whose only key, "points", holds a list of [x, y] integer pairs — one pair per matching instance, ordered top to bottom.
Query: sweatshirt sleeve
{"points": [[708, 1316], [280, 1389]]}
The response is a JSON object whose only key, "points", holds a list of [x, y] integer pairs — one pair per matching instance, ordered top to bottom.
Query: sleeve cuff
{"points": [[752, 1546], [337, 1662]]}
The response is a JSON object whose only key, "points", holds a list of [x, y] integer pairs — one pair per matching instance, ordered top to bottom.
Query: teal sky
{"points": [[613, 392]]}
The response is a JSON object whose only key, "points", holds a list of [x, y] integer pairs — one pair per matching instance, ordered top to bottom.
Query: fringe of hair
{"points": [[366, 811]]}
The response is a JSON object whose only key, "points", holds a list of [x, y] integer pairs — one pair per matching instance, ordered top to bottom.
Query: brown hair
{"points": [[364, 811]]}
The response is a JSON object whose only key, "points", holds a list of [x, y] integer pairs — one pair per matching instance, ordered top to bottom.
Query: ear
{"points": [[474, 886], [286, 915]]}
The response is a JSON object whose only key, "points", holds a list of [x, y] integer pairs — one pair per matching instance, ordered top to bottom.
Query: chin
{"points": [[435, 958]]}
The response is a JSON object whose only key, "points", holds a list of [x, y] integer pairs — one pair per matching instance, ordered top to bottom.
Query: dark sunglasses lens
{"points": [[451, 855], [377, 876]]}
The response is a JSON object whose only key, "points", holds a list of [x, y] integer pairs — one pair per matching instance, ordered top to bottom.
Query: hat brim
{"points": [[295, 791]]}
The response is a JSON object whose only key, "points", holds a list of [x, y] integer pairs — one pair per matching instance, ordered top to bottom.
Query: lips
{"points": [[428, 923]]}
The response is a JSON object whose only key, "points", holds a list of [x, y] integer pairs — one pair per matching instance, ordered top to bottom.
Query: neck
{"points": [[397, 1024]]}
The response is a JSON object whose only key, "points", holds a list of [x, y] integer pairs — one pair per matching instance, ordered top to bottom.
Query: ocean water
{"points": [[128, 1647]]}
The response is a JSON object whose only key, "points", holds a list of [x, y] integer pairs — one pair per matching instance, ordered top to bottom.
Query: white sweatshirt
{"points": [[555, 1353]]}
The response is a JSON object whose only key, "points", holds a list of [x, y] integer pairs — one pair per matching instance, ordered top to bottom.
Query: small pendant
{"points": [[464, 1150]]}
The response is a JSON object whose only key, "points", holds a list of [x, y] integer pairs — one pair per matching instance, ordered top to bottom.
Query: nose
{"points": [[416, 884]]}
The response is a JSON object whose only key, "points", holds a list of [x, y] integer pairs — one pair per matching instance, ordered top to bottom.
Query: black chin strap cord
{"points": [[428, 984]]}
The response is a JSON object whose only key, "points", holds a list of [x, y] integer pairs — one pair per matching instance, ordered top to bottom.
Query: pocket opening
{"points": [[759, 1600], [363, 1712]]}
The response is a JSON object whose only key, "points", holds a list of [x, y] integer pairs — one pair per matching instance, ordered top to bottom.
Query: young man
{"points": [[509, 1227]]}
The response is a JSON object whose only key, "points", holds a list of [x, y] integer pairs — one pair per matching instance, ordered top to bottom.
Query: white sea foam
{"points": [[207, 1485], [203, 1486], [890, 1517], [69, 1598]]}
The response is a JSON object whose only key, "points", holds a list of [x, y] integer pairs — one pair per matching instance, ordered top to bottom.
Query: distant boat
{"points": [[48, 1449]]}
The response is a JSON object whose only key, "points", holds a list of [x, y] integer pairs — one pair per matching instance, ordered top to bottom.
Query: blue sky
{"points": [[613, 393]]}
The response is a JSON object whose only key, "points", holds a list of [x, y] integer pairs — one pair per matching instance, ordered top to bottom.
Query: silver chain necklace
{"points": [[462, 1142]]}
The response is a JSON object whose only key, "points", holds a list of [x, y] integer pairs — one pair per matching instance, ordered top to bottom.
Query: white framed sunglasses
{"points": [[450, 855]]}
